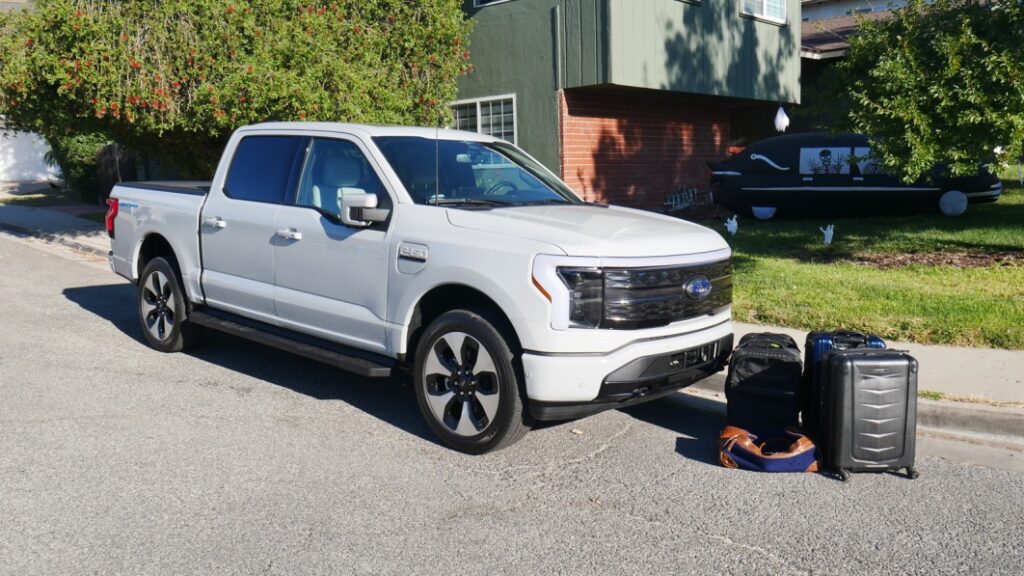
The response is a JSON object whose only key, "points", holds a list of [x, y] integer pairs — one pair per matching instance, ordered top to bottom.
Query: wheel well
{"points": [[155, 246], [453, 297]]}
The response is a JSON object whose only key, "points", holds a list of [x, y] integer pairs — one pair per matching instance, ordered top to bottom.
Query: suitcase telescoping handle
{"points": [[849, 337]]}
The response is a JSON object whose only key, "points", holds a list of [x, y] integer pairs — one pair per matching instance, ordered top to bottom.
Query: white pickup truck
{"points": [[450, 254]]}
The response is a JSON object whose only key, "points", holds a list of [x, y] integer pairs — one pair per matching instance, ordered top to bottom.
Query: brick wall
{"points": [[633, 147]]}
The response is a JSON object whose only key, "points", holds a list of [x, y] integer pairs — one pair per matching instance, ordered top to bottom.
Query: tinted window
{"points": [[262, 168], [336, 168]]}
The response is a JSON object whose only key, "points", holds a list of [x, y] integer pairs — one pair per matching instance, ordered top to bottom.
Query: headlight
{"points": [[586, 292]]}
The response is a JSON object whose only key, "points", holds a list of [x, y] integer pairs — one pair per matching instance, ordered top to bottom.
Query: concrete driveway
{"points": [[238, 459]]}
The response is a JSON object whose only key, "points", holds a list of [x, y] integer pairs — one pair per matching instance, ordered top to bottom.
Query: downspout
{"points": [[556, 14]]}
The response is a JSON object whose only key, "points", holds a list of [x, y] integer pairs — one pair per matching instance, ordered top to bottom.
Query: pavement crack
{"points": [[775, 559]]}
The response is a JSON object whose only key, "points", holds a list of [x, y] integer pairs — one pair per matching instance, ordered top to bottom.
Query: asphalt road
{"points": [[238, 459]]}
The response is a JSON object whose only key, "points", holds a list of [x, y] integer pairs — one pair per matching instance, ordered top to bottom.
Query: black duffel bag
{"points": [[763, 383]]}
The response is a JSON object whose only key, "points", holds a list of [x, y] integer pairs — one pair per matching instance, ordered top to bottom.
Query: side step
{"points": [[338, 355]]}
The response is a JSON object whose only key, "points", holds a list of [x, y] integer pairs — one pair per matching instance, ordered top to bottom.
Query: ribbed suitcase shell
{"points": [[817, 345], [871, 421]]}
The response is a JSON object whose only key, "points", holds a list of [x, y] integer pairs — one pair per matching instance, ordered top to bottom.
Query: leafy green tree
{"points": [[173, 78], [940, 82]]}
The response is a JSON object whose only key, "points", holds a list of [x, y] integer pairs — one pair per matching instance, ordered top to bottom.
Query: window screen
{"points": [[262, 168]]}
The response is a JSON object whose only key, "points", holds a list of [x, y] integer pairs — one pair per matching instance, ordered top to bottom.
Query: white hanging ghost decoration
{"points": [[781, 120], [732, 226], [828, 231]]}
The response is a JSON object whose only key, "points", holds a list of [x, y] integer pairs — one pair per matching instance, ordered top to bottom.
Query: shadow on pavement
{"points": [[390, 400], [697, 420]]}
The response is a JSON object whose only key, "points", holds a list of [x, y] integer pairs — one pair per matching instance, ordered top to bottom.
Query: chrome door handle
{"points": [[214, 222], [289, 234]]}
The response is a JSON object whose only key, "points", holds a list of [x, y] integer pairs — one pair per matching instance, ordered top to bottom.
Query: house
{"points": [[822, 9], [826, 28], [627, 99]]}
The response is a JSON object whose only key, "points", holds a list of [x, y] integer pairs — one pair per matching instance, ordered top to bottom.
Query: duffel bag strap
{"points": [[793, 452]]}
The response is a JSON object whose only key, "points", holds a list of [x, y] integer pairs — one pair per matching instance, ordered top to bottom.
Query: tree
{"points": [[175, 77], [940, 83]]}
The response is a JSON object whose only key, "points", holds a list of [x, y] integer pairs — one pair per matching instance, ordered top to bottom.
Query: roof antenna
{"points": [[437, 157]]}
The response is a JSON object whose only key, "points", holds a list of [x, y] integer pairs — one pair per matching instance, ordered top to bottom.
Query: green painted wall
{"points": [[705, 47], [513, 48], [533, 48]]}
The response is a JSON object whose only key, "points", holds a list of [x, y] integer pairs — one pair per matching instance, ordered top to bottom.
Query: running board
{"points": [[338, 355]]}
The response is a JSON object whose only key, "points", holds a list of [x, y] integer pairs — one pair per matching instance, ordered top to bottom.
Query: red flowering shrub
{"points": [[177, 76]]}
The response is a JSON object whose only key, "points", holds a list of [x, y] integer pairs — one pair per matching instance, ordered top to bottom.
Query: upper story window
{"points": [[479, 3], [770, 10], [492, 116]]}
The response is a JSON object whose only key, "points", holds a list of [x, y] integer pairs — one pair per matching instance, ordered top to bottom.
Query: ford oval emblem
{"points": [[698, 287]]}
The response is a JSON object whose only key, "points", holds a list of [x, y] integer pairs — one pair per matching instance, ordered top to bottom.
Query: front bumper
{"points": [[575, 385]]}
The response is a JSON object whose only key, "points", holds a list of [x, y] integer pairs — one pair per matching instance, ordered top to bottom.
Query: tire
{"points": [[163, 310], [447, 381]]}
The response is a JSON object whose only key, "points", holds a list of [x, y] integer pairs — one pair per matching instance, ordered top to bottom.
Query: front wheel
{"points": [[163, 310], [467, 386]]}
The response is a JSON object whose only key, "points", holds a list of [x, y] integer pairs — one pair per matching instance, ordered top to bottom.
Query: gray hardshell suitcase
{"points": [[872, 411]]}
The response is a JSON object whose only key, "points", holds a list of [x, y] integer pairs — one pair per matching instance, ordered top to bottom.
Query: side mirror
{"points": [[360, 210]]}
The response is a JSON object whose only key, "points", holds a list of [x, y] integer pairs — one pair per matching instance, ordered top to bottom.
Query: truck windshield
{"points": [[477, 174]]}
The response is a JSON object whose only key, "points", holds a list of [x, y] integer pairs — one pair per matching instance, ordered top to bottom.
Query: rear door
{"points": [[237, 224], [331, 278]]}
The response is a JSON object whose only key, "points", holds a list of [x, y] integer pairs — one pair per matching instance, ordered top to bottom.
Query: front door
{"points": [[237, 225], [332, 279]]}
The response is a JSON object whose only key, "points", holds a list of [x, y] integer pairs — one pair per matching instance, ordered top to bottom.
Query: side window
{"points": [[833, 160], [866, 162], [262, 168], [334, 169]]}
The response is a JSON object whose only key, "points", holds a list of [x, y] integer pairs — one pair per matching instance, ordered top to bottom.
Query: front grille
{"points": [[648, 297]]}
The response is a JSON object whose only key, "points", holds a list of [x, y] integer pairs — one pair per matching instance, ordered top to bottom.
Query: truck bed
{"points": [[170, 209]]}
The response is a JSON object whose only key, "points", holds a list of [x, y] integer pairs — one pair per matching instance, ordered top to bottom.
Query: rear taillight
{"points": [[111, 215]]}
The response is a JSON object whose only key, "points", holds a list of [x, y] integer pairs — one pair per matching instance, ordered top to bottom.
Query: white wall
{"points": [[21, 158]]}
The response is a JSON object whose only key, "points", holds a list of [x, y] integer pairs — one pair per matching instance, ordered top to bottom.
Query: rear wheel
{"points": [[163, 310], [467, 386]]}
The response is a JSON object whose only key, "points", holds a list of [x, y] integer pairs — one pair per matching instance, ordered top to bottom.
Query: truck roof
{"points": [[371, 130]]}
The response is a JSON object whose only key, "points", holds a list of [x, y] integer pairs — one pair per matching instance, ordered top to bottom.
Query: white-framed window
{"points": [[480, 3], [770, 10], [494, 116]]}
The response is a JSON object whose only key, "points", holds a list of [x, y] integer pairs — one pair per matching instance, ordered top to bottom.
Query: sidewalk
{"points": [[57, 223], [56, 226], [980, 373]]}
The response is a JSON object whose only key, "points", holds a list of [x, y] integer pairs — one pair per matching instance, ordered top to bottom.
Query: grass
{"points": [[42, 199], [786, 276]]}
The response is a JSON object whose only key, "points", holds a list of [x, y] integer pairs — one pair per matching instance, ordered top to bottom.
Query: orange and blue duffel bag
{"points": [[792, 452]]}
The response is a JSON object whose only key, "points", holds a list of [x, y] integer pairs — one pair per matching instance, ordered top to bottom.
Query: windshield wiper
{"points": [[466, 202], [543, 202]]}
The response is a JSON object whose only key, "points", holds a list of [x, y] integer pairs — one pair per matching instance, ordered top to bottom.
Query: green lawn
{"points": [[785, 275]]}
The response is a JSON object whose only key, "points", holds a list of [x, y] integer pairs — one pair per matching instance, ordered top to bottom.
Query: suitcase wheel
{"points": [[912, 473], [844, 474]]}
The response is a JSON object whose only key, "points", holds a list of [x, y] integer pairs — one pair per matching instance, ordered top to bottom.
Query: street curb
{"points": [[52, 238], [954, 417]]}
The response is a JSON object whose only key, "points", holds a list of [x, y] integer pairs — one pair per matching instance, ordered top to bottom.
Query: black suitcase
{"points": [[817, 345], [763, 382], [870, 423]]}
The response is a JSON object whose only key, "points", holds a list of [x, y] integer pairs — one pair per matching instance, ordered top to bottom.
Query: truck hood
{"points": [[586, 230]]}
